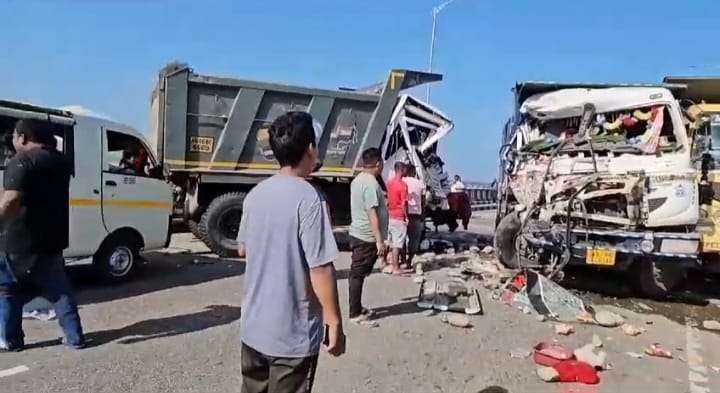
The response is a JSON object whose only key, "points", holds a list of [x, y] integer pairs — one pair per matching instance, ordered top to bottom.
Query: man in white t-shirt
{"points": [[416, 219]]}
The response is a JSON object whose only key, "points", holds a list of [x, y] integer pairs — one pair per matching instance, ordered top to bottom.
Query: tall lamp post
{"points": [[435, 11]]}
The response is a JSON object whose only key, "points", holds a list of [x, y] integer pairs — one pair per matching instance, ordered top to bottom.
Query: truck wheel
{"points": [[194, 227], [218, 227], [506, 234], [117, 258], [656, 280]]}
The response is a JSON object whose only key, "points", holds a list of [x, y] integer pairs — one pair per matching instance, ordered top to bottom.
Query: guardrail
{"points": [[482, 197]]}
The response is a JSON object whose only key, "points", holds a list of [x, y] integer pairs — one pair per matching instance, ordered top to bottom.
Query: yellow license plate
{"points": [[600, 257]]}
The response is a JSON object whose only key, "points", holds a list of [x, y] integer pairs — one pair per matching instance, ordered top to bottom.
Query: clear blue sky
{"points": [[105, 55]]}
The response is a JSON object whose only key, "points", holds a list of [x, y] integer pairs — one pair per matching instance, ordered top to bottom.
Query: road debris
{"points": [[488, 250], [535, 293], [643, 306], [540, 318], [608, 319], [457, 320], [711, 325], [564, 329], [631, 330], [596, 341], [656, 351], [520, 353], [550, 354], [587, 354], [635, 355], [716, 369], [577, 371], [548, 374]]}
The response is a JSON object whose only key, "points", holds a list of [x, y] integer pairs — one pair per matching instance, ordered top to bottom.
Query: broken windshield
{"points": [[640, 130]]}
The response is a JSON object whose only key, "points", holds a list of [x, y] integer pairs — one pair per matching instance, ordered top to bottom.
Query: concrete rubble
{"points": [[608, 319], [457, 320], [711, 325], [564, 329], [631, 330]]}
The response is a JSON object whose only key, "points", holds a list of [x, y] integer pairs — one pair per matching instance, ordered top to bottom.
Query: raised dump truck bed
{"points": [[212, 138]]}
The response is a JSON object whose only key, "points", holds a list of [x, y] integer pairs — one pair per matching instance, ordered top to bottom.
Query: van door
{"points": [[131, 196], [86, 231]]}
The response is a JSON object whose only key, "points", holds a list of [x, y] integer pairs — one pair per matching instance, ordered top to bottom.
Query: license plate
{"points": [[600, 257]]}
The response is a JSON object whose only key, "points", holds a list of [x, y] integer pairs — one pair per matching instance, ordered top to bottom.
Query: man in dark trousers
{"points": [[34, 214], [368, 231], [291, 298]]}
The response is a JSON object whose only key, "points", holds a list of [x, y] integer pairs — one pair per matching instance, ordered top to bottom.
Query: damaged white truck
{"points": [[600, 175]]}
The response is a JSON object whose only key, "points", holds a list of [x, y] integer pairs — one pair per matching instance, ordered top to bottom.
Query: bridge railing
{"points": [[482, 196]]}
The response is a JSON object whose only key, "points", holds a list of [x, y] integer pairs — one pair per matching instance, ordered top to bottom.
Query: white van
{"points": [[120, 202]]}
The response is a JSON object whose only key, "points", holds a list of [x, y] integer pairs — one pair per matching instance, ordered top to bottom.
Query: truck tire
{"points": [[219, 224], [193, 227], [506, 234], [117, 258], [656, 280]]}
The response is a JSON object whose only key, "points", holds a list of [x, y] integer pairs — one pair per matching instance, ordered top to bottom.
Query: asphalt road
{"points": [[175, 328]]}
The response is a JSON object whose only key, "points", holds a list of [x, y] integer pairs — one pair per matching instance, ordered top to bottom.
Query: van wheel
{"points": [[218, 227], [506, 234], [117, 259], [656, 280]]}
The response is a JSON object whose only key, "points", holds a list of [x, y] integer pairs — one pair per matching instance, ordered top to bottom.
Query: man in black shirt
{"points": [[34, 215]]}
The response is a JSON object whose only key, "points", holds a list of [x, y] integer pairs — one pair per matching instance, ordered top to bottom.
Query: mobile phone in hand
{"points": [[326, 339]]}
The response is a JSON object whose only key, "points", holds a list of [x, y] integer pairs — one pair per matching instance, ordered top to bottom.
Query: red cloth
{"points": [[397, 199], [576, 371]]}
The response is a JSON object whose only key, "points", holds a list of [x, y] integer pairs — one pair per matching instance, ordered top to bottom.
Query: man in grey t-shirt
{"points": [[290, 286]]}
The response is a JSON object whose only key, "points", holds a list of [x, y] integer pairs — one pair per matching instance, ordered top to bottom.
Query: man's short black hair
{"points": [[34, 130], [290, 136], [371, 157]]}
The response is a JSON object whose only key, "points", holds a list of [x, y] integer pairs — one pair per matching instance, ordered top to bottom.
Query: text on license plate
{"points": [[600, 257]]}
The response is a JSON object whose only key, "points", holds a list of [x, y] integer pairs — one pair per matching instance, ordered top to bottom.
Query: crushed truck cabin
{"points": [[602, 176]]}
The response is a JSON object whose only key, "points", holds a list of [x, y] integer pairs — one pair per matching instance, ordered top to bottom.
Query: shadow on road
{"points": [[161, 272], [615, 288], [397, 309], [212, 316]]}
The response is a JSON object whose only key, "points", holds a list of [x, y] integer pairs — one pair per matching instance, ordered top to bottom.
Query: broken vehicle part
{"points": [[598, 176]]}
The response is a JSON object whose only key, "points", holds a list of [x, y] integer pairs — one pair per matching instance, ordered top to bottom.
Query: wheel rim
{"points": [[120, 262]]}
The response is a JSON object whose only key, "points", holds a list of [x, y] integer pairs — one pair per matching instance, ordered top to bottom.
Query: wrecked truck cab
{"points": [[599, 175]]}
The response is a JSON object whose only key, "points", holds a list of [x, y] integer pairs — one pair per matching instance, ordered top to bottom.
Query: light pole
{"points": [[435, 11]]}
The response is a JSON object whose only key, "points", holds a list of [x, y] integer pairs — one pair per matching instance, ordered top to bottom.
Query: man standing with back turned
{"points": [[34, 213], [290, 286]]}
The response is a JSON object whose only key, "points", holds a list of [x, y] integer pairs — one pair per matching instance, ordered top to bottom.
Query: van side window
{"points": [[128, 155]]}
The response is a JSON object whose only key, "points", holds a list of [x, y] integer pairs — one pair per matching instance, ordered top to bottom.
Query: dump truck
{"points": [[700, 99], [212, 139], [605, 176]]}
